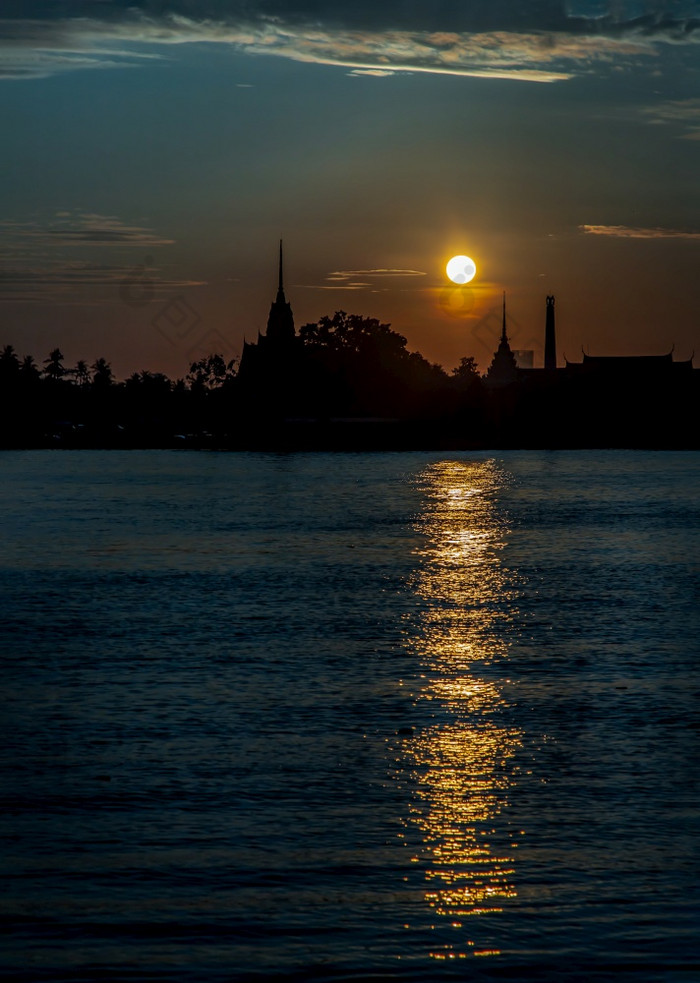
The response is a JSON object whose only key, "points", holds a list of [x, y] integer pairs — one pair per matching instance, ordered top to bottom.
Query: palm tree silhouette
{"points": [[55, 369], [81, 374], [102, 374]]}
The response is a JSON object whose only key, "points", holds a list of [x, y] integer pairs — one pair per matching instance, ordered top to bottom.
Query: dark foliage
{"points": [[359, 366], [346, 381]]}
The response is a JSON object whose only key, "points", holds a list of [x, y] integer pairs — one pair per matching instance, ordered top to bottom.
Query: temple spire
{"points": [[280, 287], [280, 323], [503, 369]]}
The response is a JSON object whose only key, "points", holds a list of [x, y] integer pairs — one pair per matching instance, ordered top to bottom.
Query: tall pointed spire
{"points": [[280, 287], [280, 322], [503, 369]]}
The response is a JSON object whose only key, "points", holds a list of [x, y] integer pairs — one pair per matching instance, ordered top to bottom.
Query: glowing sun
{"points": [[461, 269]]}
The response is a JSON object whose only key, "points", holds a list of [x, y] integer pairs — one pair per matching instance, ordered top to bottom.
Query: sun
{"points": [[461, 269]]}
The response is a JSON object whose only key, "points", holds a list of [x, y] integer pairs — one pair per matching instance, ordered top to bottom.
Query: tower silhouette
{"points": [[280, 321], [550, 343], [269, 369], [503, 369]]}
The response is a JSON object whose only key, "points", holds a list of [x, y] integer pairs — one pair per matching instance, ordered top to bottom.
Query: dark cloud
{"points": [[678, 17], [535, 40], [681, 114], [80, 229], [635, 232], [37, 260], [346, 274]]}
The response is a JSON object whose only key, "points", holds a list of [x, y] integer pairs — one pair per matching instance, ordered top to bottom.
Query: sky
{"points": [[155, 152]]}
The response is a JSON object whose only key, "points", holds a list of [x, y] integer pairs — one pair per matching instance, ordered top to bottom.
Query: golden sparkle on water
{"points": [[461, 269], [461, 765]]}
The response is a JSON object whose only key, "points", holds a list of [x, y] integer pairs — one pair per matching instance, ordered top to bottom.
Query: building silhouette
{"points": [[280, 320], [550, 342], [524, 358], [621, 369], [503, 370], [604, 370], [269, 372], [600, 401]]}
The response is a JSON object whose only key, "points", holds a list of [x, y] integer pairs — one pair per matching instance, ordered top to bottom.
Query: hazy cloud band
{"points": [[544, 48], [631, 232]]}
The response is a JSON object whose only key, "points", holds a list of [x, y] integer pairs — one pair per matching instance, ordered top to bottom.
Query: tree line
{"points": [[344, 364]]}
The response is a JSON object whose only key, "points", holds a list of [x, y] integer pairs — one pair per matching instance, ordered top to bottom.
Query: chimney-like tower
{"points": [[550, 342]]}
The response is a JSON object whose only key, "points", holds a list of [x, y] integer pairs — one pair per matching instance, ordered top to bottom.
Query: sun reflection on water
{"points": [[460, 766]]}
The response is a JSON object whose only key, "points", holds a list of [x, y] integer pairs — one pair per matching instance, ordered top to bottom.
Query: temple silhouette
{"points": [[601, 369], [270, 370], [503, 370], [349, 382], [600, 401]]}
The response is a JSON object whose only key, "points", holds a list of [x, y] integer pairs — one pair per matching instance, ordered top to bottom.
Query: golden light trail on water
{"points": [[459, 766]]}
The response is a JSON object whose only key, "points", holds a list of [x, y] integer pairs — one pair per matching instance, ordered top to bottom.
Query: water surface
{"points": [[350, 717]]}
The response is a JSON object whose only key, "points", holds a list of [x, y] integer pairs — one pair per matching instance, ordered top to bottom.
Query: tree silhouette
{"points": [[355, 334], [8, 356], [9, 367], [363, 367], [55, 369], [29, 370], [342, 371], [211, 372], [466, 372], [81, 374], [102, 376]]}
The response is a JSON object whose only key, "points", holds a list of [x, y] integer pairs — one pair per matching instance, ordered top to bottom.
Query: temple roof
{"points": [[630, 364]]}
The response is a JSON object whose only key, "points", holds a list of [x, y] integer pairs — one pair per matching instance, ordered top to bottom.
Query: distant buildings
{"points": [[524, 358], [510, 367], [603, 400], [633, 400]]}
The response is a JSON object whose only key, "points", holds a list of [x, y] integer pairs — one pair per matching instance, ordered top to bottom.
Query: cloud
{"points": [[446, 16], [505, 39], [374, 72], [682, 113], [81, 229], [631, 232], [41, 261], [71, 274], [345, 274], [352, 279], [65, 283], [325, 286]]}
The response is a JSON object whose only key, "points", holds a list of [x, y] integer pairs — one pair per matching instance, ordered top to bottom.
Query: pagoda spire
{"points": [[280, 286], [280, 322], [503, 369]]}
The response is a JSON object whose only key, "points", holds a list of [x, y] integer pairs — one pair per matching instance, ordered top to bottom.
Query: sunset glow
{"points": [[395, 138]]}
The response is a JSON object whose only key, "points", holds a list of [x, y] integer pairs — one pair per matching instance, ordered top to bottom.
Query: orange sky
{"points": [[154, 162]]}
